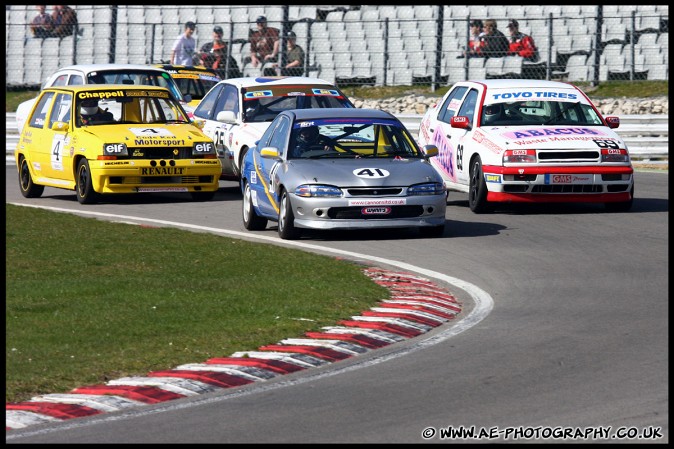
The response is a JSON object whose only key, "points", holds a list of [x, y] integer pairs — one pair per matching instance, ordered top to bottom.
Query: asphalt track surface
{"points": [[564, 329]]}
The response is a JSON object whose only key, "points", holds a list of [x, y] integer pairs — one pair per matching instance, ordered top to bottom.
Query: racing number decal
{"points": [[220, 137], [606, 144], [56, 150], [459, 157]]}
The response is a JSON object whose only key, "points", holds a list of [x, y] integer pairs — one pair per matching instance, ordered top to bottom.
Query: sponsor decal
{"points": [[325, 92], [259, 93], [296, 94], [535, 94], [454, 104], [151, 132], [553, 132], [482, 140], [445, 157], [116, 163], [161, 171], [253, 177], [493, 178], [586, 178], [161, 189], [378, 202], [381, 210]]}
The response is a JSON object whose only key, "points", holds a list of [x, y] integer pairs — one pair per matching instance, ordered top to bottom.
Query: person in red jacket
{"points": [[521, 44]]}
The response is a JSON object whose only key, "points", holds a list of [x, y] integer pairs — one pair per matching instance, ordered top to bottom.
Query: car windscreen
{"points": [[136, 77], [264, 103], [128, 107], [539, 112], [353, 138]]}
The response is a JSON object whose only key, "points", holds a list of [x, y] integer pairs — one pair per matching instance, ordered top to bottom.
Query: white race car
{"points": [[132, 74], [237, 111], [527, 141]]}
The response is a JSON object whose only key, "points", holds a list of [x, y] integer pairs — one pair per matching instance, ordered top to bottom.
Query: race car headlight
{"points": [[203, 149], [112, 150], [614, 155], [519, 156], [428, 188], [316, 190]]}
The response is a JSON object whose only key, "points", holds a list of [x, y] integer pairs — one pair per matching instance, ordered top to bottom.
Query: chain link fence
{"points": [[376, 45]]}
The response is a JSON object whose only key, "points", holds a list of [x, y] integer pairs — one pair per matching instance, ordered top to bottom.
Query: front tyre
{"points": [[84, 184], [28, 188], [477, 191], [286, 219], [251, 220]]}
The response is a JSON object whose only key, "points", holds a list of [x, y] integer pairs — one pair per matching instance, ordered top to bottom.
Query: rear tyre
{"points": [[84, 185], [28, 188], [477, 192], [624, 206], [286, 219], [251, 220]]}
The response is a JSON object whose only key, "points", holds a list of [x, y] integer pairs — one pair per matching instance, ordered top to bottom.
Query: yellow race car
{"points": [[107, 139]]}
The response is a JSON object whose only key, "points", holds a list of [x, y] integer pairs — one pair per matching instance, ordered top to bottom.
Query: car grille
{"points": [[567, 156], [135, 180], [387, 191], [350, 213]]}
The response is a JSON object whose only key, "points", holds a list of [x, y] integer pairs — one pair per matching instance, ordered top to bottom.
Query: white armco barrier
{"points": [[646, 136]]}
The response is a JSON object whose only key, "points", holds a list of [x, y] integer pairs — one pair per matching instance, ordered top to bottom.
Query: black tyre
{"points": [[242, 155], [84, 185], [28, 188], [477, 192], [202, 196], [624, 206], [286, 219], [251, 220]]}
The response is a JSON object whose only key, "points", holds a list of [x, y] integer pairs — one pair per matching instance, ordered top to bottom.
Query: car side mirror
{"points": [[226, 117], [460, 121], [613, 121], [199, 123], [60, 126], [430, 150], [270, 153]]}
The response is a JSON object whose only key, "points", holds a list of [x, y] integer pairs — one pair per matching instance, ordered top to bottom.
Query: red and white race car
{"points": [[527, 141]]}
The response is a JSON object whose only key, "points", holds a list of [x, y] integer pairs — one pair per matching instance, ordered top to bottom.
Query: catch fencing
{"points": [[376, 45]]}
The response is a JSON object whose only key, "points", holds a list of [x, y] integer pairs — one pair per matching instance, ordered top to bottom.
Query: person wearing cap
{"points": [[474, 42], [264, 43], [493, 43], [521, 44], [184, 47], [294, 57]]}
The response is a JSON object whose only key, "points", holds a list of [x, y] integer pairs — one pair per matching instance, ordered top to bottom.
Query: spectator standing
{"points": [[64, 19], [42, 25], [475, 40], [264, 43], [494, 43], [521, 44], [184, 46], [294, 57]]}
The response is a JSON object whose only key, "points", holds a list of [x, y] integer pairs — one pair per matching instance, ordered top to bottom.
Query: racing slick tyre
{"points": [[242, 155], [83, 184], [28, 188], [477, 192], [202, 196], [624, 206], [286, 219], [251, 220], [432, 231]]}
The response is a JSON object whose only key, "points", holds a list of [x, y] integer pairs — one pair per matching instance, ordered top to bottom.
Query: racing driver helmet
{"points": [[89, 107], [492, 112], [308, 135]]}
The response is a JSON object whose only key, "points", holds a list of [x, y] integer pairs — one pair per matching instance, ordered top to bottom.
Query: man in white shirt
{"points": [[184, 47]]}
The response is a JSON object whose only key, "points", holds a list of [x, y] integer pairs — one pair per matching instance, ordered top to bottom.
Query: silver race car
{"points": [[339, 168]]}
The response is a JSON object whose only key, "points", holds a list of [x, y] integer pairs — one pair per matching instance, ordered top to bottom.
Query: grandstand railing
{"points": [[369, 45]]}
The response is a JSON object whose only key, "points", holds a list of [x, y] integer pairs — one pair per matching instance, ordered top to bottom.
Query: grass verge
{"points": [[88, 301]]}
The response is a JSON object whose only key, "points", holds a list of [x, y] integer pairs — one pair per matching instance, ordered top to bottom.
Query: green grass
{"points": [[609, 89], [88, 300]]}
